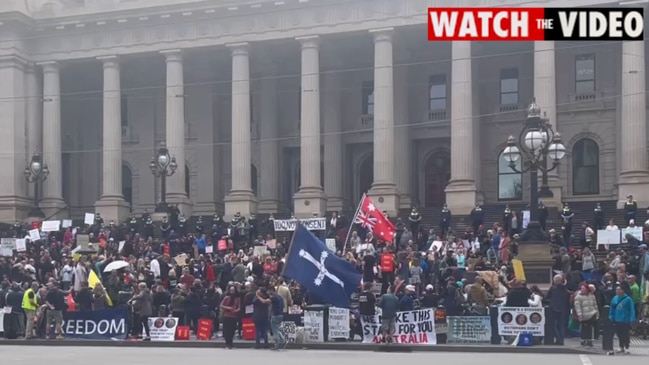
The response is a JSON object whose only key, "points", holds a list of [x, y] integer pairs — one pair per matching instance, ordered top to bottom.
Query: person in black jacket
{"points": [[559, 300], [367, 301]]}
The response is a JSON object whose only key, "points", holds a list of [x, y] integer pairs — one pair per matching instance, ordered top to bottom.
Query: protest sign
{"points": [[288, 225], [51, 226], [513, 321], [338, 322], [105, 324], [314, 326], [412, 327], [163, 328], [469, 329], [289, 330]]}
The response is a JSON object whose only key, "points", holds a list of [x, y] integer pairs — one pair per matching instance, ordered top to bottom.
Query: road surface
{"points": [[175, 356]]}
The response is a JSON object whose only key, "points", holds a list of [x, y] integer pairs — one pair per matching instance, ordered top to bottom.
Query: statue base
{"points": [[386, 197], [309, 202], [243, 203], [116, 210], [537, 263]]}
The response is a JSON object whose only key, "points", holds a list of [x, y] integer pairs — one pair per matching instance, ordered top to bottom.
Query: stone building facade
{"points": [[299, 105]]}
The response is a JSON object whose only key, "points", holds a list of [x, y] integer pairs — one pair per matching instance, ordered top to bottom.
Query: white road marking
{"points": [[585, 360]]}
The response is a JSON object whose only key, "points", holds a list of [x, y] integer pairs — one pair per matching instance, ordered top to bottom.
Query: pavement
{"points": [[174, 356]]}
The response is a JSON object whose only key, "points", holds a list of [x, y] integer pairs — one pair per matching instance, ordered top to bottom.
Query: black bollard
{"points": [[608, 330], [495, 337], [548, 339]]}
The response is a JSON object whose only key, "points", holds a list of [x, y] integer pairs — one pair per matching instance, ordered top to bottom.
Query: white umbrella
{"points": [[116, 265]]}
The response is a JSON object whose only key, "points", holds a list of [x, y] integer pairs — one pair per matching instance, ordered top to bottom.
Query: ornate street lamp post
{"points": [[539, 144], [162, 165], [36, 172]]}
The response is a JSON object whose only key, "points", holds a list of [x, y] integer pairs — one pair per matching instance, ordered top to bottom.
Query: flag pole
{"points": [[351, 225], [290, 247]]}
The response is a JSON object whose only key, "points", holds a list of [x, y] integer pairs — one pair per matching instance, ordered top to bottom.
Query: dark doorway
{"points": [[365, 174], [437, 174], [127, 184]]}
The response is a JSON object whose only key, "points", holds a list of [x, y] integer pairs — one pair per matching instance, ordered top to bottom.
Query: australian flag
{"points": [[319, 270]]}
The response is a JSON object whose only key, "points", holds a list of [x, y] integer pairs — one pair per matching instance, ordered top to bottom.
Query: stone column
{"points": [[545, 92], [33, 121], [175, 129], [333, 142], [402, 145], [634, 176], [269, 185], [384, 189], [461, 192], [310, 197], [241, 198], [52, 201], [15, 204], [112, 206]]}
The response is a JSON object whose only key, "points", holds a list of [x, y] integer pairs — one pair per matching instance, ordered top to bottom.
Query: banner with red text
{"points": [[415, 327]]}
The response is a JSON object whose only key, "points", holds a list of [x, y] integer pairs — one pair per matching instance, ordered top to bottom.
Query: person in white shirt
{"points": [[155, 268], [80, 275], [536, 300]]}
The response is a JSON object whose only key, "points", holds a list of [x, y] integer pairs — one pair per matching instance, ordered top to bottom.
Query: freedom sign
{"points": [[104, 324], [412, 327]]}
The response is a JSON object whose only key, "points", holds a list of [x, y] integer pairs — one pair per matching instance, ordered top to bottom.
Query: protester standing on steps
{"points": [[622, 314]]}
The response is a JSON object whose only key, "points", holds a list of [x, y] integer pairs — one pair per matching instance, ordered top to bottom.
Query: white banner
{"points": [[312, 224], [51, 226], [636, 232], [606, 237], [8, 243], [2, 320], [516, 320], [338, 323], [314, 326], [412, 327], [163, 328], [289, 329]]}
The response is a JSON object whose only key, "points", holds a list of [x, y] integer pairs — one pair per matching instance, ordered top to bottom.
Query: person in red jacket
{"points": [[387, 270]]}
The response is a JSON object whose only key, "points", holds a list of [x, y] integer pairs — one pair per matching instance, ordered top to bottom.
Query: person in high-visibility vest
{"points": [[386, 264], [30, 306]]}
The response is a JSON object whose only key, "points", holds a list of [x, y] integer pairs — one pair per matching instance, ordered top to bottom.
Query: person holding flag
{"points": [[374, 221], [319, 270], [93, 281]]}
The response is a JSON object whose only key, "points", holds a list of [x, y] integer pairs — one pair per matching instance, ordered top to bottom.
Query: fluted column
{"points": [[545, 93], [175, 127], [12, 137], [333, 142], [402, 145], [634, 177], [269, 185], [53, 186], [384, 187], [461, 191], [310, 197], [241, 198], [112, 206]]}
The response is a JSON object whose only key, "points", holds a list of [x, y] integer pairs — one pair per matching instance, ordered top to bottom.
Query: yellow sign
{"points": [[519, 272]]}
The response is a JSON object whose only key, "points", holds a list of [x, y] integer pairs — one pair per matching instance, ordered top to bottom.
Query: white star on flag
{"points": [[371, 207]]}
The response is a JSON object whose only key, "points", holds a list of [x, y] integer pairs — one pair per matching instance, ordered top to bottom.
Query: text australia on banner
{"points": [[312, 224], [412, 327]]}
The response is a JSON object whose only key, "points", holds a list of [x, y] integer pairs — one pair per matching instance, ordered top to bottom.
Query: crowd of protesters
{"points": [[192, 276]]}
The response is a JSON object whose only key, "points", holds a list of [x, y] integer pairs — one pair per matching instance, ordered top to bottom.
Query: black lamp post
{"points": [[539, 143], [163, 166], [36, 172]]}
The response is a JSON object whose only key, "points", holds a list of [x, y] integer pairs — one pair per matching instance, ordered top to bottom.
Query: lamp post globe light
{"points": [[537, 144], [162, 165], [36, 172]]}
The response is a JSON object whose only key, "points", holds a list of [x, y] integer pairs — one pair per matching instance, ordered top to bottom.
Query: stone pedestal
{"points": [[461, 197], [386, 199], [182, 201], [307, 202], [239, 203], [54, 208], [113, 210], [537, 263]]}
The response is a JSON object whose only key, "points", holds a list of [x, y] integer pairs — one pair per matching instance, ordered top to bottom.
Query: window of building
{"points": [[585, 74], [509, 86], [437, 92], [368, 98], [124, 111], [585, 167], [510, 182]]}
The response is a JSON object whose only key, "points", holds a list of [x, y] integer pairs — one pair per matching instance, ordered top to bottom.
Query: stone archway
{"points": [[437, 170]]}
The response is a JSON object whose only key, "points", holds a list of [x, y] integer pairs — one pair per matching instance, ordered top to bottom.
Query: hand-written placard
{"points": [[636, 232], [606, 237], [338, 322], [314, 326], [289, 330]]}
